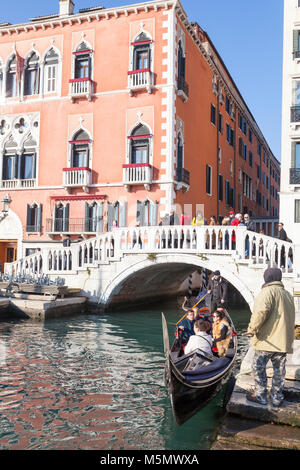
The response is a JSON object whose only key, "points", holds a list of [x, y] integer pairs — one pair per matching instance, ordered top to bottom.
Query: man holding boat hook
{"points": [[218, 288], [272, 331]]}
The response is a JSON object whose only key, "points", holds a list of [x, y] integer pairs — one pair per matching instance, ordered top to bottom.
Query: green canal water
{"points": [[96, 382]]}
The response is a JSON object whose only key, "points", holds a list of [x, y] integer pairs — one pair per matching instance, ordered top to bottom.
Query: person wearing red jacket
{"points": [[235, 223]]}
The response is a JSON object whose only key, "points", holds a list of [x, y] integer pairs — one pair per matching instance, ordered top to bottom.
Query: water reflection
{"points": [[93, 382]]}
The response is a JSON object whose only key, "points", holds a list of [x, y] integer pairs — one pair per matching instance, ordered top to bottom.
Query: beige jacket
{"points": [[273, 320]]}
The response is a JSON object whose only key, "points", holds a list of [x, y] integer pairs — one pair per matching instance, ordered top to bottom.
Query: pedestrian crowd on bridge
{"points": [[233, 220]]}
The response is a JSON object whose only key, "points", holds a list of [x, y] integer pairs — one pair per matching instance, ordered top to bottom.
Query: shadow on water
{"points": [[96, 382]]}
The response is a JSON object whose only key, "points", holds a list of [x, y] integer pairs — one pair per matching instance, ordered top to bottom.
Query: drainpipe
{"points": [[234, 159], [218, 164]]}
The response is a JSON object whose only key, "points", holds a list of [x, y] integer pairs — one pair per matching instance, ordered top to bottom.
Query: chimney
{"points": [[66, 7]]}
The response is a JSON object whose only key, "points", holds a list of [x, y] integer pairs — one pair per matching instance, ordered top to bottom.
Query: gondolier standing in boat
{"points": [[218, 288], [272, 330]]}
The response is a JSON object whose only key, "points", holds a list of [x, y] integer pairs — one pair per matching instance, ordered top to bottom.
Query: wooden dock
{"points": [[39, 302]]}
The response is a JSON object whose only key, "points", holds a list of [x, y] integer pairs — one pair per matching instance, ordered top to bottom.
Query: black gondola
{"points": [[193, 380]]}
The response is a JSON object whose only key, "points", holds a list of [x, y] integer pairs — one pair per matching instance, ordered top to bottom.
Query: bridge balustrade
{"points": [[247, 247]]}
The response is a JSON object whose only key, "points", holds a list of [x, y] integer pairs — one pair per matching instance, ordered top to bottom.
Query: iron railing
{"points": [[183, 86], [295, 114], [182, 176], [295, 176], [72, 225]]}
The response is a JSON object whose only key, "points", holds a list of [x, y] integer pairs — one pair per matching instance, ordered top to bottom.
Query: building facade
{"points": [[122, 115], [290, 174]]}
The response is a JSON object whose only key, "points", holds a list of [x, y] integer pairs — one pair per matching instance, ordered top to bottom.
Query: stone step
{"points": [[245, 383], [288, 413], [243, 434]]}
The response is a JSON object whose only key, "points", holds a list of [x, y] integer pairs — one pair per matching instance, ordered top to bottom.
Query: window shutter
{"points": [[295, 40], [293, 155], [17, 166], [33, 169], [153, 214], [122, 215], [140, 215], [110, 216], [39, 218], [66, 218], [87, 218], [28, 222], [99, 223]]}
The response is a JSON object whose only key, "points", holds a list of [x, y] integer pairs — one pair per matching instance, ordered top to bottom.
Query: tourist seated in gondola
{"points": [[186, 327], [221, 332], [201, 339]]}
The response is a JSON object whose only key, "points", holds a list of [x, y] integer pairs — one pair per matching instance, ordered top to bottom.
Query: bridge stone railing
{"points": [[245, 246]]}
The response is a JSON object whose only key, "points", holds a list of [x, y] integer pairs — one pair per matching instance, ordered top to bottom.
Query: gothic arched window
{"points": [[142, 53], [83, 62], [51, 71], [32, 75], [11, 79], [140, 145], [80, 154], [10, 161]]}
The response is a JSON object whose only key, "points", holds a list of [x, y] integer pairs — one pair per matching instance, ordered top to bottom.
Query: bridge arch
{"points": [[163, 276]]}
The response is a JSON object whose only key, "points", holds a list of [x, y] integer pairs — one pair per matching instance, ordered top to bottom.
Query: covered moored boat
{"points": [[194, 379]]}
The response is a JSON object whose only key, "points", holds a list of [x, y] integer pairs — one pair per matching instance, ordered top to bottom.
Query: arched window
{"points": [[142, 52], [83, 62], [181, 63], [51, 71], [32, 75], [11, 79], [140, 145], [179, 152], [80, 155], [10, 161], [27, 167], [116, 212], [147, 213], [61, 217], [94, 217], [34, 218]]}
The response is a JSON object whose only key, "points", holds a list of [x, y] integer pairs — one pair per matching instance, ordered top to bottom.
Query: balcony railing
{"points": [[140, 80], [81, 88], [183, 89], [295, 114], [135, 174], [183, 176], [295, 176], [77, 178], [18, 183], [76, 226]]}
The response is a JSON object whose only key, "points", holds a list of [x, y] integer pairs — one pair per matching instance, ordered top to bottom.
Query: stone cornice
{"points": [[88, 16]]}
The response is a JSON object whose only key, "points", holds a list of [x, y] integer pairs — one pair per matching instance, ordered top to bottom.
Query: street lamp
{"points": [[5, 203]]}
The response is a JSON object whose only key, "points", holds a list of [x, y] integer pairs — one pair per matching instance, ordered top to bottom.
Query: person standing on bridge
{"points": [[218, 288], [271, 328]]}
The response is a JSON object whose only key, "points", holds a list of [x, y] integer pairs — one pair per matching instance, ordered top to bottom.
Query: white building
{"points": [[290, 158]]}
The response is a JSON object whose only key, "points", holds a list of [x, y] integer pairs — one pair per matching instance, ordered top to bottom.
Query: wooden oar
{"points": [[201, 300]]}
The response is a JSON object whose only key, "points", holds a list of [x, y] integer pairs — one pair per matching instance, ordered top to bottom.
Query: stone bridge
{"points": [[142, 264]]}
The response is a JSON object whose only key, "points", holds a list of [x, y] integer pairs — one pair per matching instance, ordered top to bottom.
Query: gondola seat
{"points": [[207, 372]]}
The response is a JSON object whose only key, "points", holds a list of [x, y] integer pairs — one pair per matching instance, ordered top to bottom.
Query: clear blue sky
{"points": [[248, 36]]}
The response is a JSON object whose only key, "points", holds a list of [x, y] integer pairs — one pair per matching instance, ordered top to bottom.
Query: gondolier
{"points": [[218, 288]]}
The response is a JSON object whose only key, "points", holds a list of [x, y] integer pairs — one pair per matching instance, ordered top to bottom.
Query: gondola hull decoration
{"points": [[193, 380]]}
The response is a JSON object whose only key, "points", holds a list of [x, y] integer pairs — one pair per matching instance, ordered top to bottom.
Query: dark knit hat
{"points": [[217, 273], [273, 275]]}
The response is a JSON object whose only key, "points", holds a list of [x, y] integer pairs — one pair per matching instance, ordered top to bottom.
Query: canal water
{"points": [[96, 382]]}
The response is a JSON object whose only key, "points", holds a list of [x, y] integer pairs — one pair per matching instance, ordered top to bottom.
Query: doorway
{"points": [[8, 252]]}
